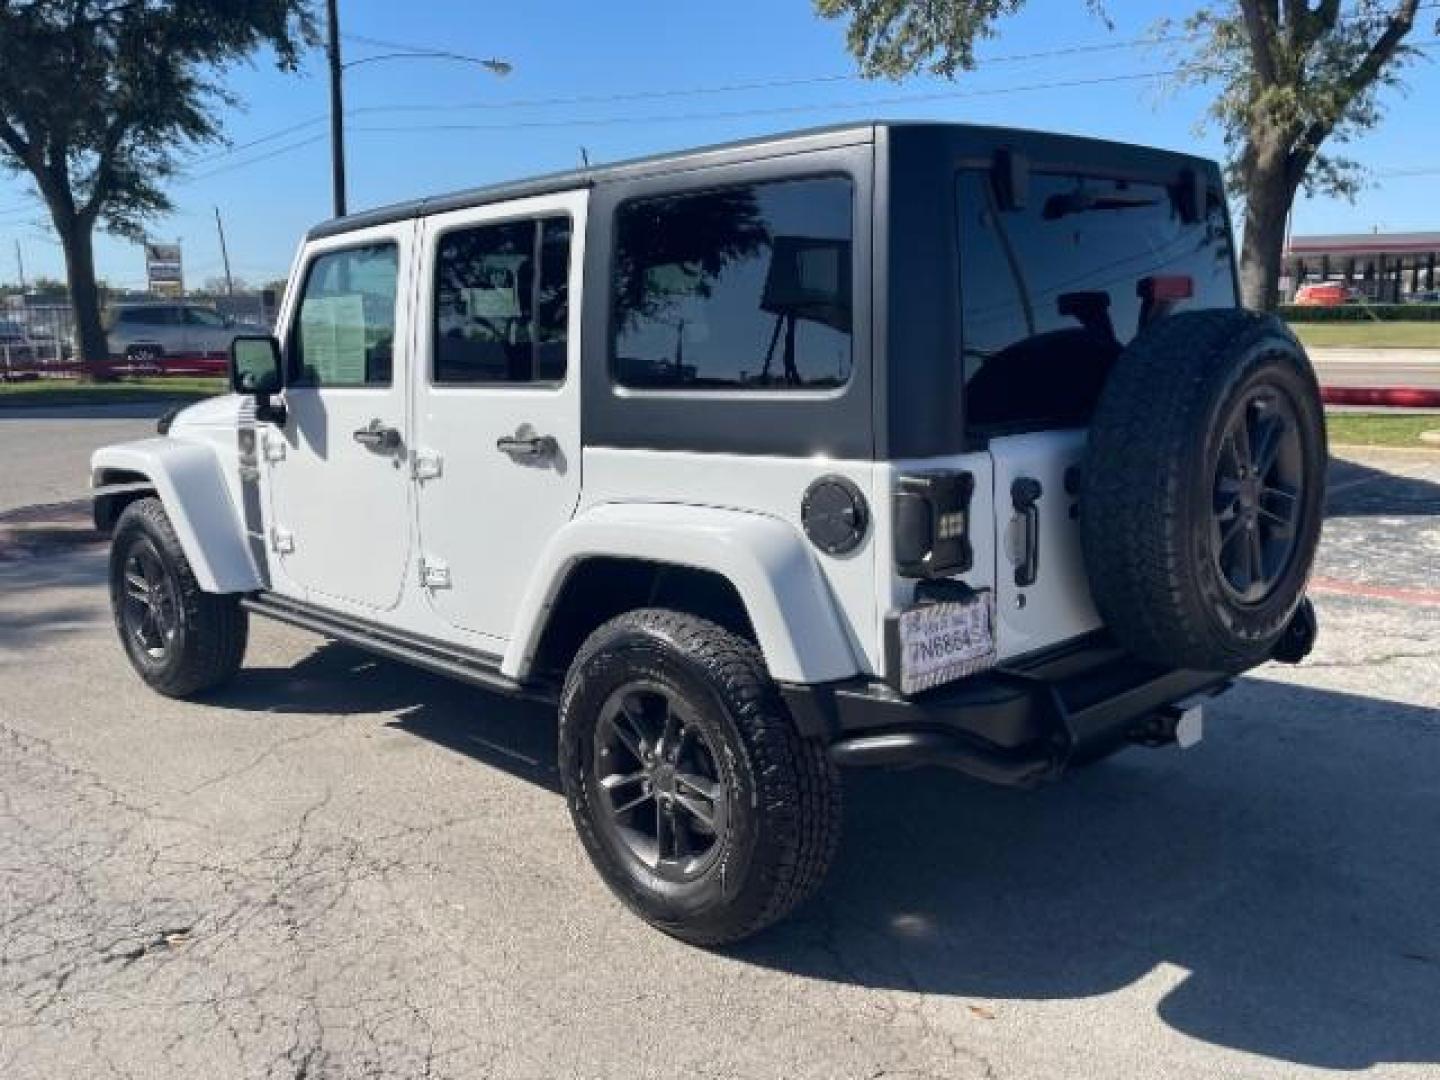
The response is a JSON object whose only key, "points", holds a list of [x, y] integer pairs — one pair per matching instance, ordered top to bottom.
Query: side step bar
{"points": [[477, 669]]}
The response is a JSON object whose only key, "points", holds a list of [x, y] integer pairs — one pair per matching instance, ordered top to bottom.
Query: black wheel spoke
{"points": [[1270, 444], [1254, 556], [136, 587], [628, 728], [630, 804], [664, 833]]}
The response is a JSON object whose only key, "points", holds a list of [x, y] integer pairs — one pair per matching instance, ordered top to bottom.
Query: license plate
{"points": [[945, 641]]}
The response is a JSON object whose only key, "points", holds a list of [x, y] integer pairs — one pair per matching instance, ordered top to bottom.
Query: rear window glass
{"points": [[737, 288], [1051, 292]]}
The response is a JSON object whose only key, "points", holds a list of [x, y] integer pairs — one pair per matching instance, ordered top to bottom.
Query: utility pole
{"points": [[337, 110], [224, 255], [20, 265]]}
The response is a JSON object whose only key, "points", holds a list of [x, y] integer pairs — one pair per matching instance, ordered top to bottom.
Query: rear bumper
{"points": [[1018, 725]]}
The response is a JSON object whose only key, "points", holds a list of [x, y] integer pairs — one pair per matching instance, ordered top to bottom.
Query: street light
{"points": [[337, 105]]}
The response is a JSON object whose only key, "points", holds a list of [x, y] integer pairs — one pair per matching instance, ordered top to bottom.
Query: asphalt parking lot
{"points": [[339, 867]]}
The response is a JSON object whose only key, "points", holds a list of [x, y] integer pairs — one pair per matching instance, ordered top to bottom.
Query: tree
{"points": [[1292, 76], [98, 98]]}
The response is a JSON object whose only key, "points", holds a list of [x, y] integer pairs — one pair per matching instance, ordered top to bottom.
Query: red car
{"points": [[1324, 294]]}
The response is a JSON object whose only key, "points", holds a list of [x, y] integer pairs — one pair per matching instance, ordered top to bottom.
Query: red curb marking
{"points": [[1404, 397], [1375, 592]]}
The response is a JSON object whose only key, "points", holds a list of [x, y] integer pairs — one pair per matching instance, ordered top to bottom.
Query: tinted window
{"points": [[738, 288], [1052, 292], [150, 316], [204, 317], [496, 319], [345, 332]]}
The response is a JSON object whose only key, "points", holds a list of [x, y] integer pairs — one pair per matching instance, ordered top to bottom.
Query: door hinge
{"points": [[274, 447], [428, 464], [282, 540], [434, 574]]}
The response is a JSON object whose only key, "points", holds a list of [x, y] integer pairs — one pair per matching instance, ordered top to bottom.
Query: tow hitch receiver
{"points": [[1181, 724]]}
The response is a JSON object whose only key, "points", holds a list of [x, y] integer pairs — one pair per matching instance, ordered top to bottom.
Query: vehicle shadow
{"points": [[1359, 490], [515, 736], [1275, 889]]}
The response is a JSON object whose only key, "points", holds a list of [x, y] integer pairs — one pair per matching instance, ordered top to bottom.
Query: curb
{"points": [[1394, 397]]}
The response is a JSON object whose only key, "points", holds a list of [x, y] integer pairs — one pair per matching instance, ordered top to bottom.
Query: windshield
{"points": [[1052, 291]]}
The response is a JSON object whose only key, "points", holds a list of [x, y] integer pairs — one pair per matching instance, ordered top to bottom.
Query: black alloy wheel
{"points": [[1259, 489], [150, 605], [658, 780]]}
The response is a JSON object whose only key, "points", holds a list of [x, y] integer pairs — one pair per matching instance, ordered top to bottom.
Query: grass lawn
{"points": [[1369, 334], [51, 392], [1381, 429]]}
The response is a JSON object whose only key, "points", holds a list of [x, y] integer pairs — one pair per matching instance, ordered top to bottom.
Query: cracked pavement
{"points": [[338, 867]]}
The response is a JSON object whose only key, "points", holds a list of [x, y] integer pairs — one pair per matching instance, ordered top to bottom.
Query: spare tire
{"points": [[1203, 489]]}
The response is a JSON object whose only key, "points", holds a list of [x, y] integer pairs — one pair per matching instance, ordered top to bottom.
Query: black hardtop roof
{"points": [[791, 142]]}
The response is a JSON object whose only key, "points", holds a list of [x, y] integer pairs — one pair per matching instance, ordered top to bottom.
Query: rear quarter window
{"points": [[740, 288], [1051, 292]]}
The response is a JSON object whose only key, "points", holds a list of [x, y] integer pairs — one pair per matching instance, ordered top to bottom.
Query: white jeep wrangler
{"points": [[890, 444]]}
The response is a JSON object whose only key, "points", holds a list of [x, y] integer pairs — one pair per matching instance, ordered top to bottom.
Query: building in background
{"points": [[1384, 268]]}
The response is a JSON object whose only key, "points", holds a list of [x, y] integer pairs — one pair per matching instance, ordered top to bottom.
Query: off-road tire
{"points": [[1148, 496], [211, 630], [783, 790]]}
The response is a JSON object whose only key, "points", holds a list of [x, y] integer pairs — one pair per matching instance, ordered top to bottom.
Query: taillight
{"points": [[932, 524]]}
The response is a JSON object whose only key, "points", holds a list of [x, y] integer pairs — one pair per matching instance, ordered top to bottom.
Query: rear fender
{"points": [[188, 479], [772, 568]]}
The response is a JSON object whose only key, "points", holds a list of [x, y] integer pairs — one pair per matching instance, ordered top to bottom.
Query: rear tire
{"points": [[1203, 490], [180, 639], [658, 707]]}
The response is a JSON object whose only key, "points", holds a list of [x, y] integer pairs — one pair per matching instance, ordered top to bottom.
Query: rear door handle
{"points": [[377, 436], [527, 447]]}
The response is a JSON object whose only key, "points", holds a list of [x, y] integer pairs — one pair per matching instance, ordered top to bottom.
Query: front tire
{"points": [[180, 639], [698, 802]]}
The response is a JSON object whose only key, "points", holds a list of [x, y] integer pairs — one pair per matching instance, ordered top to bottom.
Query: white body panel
{"points": [[190, 481], [343, 509], [486, 518], [771, 565], [1057, 607]]}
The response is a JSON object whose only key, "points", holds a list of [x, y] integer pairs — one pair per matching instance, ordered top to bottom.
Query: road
{"points": [[1419, 368], [47, 450], [339, 867]]}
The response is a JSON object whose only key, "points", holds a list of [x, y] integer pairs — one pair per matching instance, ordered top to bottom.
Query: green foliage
{"points": [[894, 38], [1296, 77], [97, 97], [1360, 313]]}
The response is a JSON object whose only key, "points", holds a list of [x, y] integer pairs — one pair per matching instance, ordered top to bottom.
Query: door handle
{"points": [[377, 436], [524, 446], [1024, 494]]}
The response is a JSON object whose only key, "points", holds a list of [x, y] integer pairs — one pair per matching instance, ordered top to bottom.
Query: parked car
{"points": [[1325, 294], [173, 335], [17, 351], [879, 445]]}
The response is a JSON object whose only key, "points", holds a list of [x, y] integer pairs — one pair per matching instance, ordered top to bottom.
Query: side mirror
{"points": [[255, 367]]}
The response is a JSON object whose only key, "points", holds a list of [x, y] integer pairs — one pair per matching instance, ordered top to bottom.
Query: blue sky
{"points": [[419, 127]]}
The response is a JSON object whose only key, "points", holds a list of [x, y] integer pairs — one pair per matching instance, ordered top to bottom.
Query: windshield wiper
{"points": [[1082, 201]]}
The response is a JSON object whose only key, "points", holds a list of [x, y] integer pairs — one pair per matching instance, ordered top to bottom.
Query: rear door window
{"points": [[1052, 291], [498, 320]]}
